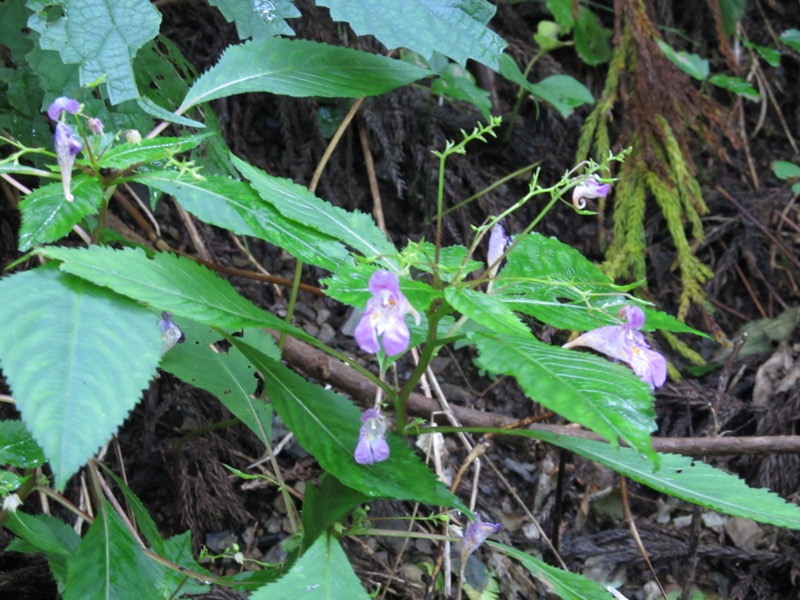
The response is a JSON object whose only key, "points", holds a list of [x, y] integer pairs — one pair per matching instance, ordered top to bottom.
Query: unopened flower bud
{"points": [[96, 126], [67, 147], [588, 190]]}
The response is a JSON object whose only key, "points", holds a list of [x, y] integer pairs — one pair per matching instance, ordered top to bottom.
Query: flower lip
{"points": [[61, 104], [384, 316], [372, 446]]}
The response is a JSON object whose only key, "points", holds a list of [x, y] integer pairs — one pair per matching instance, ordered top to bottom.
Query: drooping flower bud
{"points": [[95, 126], [67, 147], [588, 190], [498, 240], [171, 334], [474, 535]]}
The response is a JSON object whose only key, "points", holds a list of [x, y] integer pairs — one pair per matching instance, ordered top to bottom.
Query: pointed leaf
{"points": [[258, 19], [455, 28], [300, 68], [147, 151], [294, 201], [235, 206], [47, 216], [484, 309], [94, 353], [605, 397], [327, 426], [17, 447], [326, 505], [48, 535], [322, 573]]}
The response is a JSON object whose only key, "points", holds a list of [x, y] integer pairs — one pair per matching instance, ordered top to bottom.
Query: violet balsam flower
{"points": [[66, 142], [589, 189], [498, 240], [385, 316], [171, 334], [626, 343], [372, 446], [475, 534]]}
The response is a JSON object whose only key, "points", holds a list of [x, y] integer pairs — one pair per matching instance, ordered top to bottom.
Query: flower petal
{"points": [[61, 104], [384, 280], [365, 334], [395, 338]]}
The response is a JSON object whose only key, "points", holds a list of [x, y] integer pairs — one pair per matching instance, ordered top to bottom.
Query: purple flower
{"points": [[61, 104], [95, 126], [67, 147], [589, 189], [498, 240], [384, 316], [171, 334], [626, 343], [372, 446], [474, 535]]}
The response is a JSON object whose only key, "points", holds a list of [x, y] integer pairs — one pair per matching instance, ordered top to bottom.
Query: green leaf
{"points": [[731, 12], [562, 13], [258, 19], [456, 28], [103, 37], [791, 37], [591, 38], [770, 55], [692, 64], [300, 68], [456, 82], [737, 85], [154, 110], [147, 151], [785, 170], [234, 205], [48, 216], [356, 229], [452, 259], [172, 283], [484, 309], [94, 353], [227, 375], [586, 389], [327, 426], [17, 447], [685, 478], [326, 505], [48, 535], [178, 550], [109, 563], [322, 573], [566, 585]]}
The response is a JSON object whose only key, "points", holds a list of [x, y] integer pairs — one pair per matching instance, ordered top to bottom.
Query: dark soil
{"points": [[752, 242]]}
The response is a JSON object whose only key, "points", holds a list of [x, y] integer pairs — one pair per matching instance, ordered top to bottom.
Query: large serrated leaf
{"points": [[258, 19], [455, 28], [103, 37], [300, 68], [146, 151], [294, 201], [235, 206], [47, 216], [171, 283], [484, 309], [73, 354], [227, 375], [605, 397], [327, 426], [17, 447], [685, 478], [326, 505], [46, 534], [109, 564], [322, 573], [568, 586]]}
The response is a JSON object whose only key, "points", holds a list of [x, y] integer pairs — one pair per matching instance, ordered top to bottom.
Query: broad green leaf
{"points": [[258, 19], [456, 28], [791, 37], [103, 38], [591, 38], [770, 55], [691, 64], [300, 68], [737, 85], [154, 110], [147, 151], [785, 170], [235, 206], [48, 216], [356, 229], [452, 259], [168, 282], [485, 310], [77, 357], [226, 374], [602, 396], [327, 426], [17, 447], [685, 478], [10, 482], [327, 504], [48, 535], [178, 550], [110, 564], [322, 573], [568, 586]]}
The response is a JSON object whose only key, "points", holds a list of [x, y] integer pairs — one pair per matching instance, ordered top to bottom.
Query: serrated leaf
{"points": [[258, 19], [456, 28], [102, 38], [691, 64], [300, 68], [737, 85], [154, 110], [147, 151], [234, 205], [47, 216], [356, 229], [452, 259], [172, 283], [484, 309], [95, 352], [227, 375], [602, 396], [327, 426], [17, 447], [685, 478], [327, 504], [48, 535], [178, 550], [110, 564], [322, 573], [568, 586]]}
